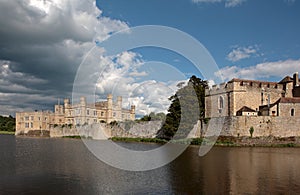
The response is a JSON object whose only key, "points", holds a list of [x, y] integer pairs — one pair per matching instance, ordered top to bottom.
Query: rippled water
{"points": [[65, 166]]}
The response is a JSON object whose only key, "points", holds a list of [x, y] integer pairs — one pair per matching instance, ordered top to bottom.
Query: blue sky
{"points": [[258, 31], [43, 43]]}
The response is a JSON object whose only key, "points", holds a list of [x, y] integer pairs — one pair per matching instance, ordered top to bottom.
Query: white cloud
{"points": [[228, 3], [234, 3], [45, 41], [239, 53], [260, 71], [122, 78]]}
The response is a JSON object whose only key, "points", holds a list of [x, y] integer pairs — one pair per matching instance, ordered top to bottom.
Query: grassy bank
{"points": [[7, 133], [76, 137], [146, 140], [223, 141]]}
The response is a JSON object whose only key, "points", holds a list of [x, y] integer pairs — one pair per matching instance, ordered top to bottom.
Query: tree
{"points": [[187, 107], [7, 123], [251, 130]]}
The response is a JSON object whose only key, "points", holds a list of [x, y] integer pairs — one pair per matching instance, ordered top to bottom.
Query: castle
{"points": [[250, 97], [272, 108], [74, 114]]}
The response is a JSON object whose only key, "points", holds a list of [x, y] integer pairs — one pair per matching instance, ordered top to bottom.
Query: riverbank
{"points": [[7, 133], [224, 141]]}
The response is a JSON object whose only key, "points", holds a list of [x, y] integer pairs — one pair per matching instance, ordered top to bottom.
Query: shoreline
{"points": [[7, 133], [222, 141], [268, 142]]}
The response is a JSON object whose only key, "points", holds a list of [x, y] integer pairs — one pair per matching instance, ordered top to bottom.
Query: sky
{"points": [[44, 42]]}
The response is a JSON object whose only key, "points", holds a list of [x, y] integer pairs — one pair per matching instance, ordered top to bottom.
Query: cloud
{"points": [[290, 2], [228, 3], [42, 44], [240, 53], [260, 71], [121, 77]]}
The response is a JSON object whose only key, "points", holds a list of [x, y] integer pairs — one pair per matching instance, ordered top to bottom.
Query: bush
{"points": [[251, 130]]}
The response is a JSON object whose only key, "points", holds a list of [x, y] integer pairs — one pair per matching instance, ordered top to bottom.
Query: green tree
{"points": [[187, 107], [7, 123], [251, 130]]}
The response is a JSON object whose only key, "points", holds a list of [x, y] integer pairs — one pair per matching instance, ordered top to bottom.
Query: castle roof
{"points": [[286, 79], [249, 81], [289, 100], [101, 104], [246, 109]]}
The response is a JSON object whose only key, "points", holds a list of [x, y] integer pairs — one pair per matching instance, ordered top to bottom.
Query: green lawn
{"points": [[7, 132]]}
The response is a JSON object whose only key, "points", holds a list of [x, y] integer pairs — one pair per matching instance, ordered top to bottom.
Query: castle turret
{"points": [[296, 79], [83, 101], [119, 102], [66, 103], [109, 108], [132, 112]]}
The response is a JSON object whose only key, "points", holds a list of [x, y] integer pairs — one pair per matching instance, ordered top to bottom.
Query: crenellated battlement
{"points": [[242, 84], [227, 99]]}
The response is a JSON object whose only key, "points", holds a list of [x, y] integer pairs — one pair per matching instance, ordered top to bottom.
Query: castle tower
{"points": [[296, 79], [82, 101], [66, 102], [119, 102], [109, 108], [67, 110], [132, 112]]}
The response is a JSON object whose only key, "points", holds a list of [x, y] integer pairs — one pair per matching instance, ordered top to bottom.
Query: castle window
{"points": [[221, 102], [88, 112], [292, 112], [102, 113], [114, 114], [26, 118], [26, 125], [31, 125]]}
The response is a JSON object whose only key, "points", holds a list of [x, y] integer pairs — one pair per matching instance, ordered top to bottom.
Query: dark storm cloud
{"points": [[42, 44]]}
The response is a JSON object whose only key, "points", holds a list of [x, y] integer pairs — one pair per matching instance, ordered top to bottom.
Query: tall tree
{"points": [[187, 107]]}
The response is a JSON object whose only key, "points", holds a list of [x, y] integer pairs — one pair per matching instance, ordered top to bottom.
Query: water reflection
{"points": [[65, 166]]}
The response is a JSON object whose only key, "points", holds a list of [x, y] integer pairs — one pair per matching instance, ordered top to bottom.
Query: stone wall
{"points": [[239, 93], [263, 126], [96, 131], [104, 131]]}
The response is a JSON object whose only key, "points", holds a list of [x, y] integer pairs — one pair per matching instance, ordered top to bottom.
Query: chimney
{"points": [[296, 79]]}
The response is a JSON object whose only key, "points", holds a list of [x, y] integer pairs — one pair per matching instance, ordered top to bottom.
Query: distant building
{"points": [[240, 97], [75, 114]]}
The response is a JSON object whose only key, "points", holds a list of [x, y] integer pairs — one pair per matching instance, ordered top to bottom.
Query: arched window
{"points": [[221, 102], [292, 112]]}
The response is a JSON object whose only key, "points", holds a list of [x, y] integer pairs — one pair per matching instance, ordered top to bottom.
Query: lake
{"points": [[65, 166]]}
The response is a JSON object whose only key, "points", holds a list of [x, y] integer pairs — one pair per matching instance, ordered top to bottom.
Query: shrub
{"points": [[251, 130]]}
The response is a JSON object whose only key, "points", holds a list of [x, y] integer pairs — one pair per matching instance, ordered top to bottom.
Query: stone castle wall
{"points": [[237, 94], [263, 126], [104, 131]]}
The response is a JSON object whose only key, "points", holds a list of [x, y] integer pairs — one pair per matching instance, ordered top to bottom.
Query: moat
{"points": [[65, 166]]}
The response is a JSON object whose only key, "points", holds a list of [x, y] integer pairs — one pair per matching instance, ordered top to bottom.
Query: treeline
{"points": [[153, 117], [7, 123]]}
